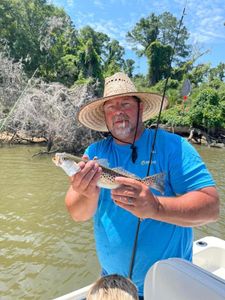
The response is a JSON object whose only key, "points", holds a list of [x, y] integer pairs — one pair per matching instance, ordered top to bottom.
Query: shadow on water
{"points": [[44, 254]]}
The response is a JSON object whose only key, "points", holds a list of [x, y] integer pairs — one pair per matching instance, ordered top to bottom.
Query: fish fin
{"points": [[70, 167], [123, 172], [156, 182]]}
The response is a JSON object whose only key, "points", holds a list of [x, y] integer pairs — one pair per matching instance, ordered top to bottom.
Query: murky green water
{"points": [[43, 253]]}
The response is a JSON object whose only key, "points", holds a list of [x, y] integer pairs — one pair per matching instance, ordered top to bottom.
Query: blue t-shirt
{"points": [[115, 227]]}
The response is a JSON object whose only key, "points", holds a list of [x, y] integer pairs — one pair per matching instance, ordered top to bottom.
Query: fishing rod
{"points": [[154, 138]]}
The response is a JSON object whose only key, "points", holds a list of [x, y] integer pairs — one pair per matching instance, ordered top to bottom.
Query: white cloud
{"points": [[70, 2], [99, 3], [204, 21]]}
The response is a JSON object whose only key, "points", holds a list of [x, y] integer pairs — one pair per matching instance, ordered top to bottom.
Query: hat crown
{"points": [[118, 84]]}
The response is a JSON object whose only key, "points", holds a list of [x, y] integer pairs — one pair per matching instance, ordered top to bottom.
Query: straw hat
{"points": [[91, 115]]}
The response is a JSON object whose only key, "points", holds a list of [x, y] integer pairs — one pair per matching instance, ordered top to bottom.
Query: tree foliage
{"points": [[21, 23], [44, 38], [155, 38], [159, 57], [113, 58], [69, 66], [206, 110]]}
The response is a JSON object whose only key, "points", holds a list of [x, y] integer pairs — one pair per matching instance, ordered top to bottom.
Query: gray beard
{"points": [[122, 132]]}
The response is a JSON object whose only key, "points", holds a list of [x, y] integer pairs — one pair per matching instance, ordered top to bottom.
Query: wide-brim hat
{"points": [[91, 114]]}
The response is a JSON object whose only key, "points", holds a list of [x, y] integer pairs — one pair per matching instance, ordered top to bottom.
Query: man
{"points": [[190, 197]]}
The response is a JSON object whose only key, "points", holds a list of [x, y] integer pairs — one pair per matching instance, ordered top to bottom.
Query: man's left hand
{"points": [[135, 197]]}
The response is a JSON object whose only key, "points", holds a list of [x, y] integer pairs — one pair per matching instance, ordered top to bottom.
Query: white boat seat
{"points": [[178, 279]]}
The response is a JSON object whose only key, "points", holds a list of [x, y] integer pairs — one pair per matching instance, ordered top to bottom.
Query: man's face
{"points": [[121, 116]]}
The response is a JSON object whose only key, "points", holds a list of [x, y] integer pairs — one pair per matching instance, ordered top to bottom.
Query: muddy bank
{"points": [[15, 138], [215, 138]]}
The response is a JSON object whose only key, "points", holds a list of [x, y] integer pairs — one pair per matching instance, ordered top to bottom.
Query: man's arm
{"points": [[82, 197], [191, 209]]}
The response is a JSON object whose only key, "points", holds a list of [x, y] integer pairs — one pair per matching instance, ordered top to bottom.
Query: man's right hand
{"points": [[85, 181], [82, 196]]}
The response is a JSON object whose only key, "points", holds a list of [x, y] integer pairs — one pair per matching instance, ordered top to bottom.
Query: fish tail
{"points": [[156, 182]]}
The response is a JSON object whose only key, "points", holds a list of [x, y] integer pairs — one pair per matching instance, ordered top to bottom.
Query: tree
{"points": [[21, 22], [159, 29], [144, 33], [41, 35], [168, 35], [58, 43], [91, 47], [159, 60], [113, 61], [128, 67], [217, 72], [199, 74], [206, 110]]}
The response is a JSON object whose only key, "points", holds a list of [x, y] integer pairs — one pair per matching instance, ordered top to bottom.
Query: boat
{"points": [[178, 279]]}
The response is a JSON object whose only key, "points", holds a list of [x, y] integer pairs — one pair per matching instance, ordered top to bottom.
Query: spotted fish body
{"points": [[69, 163]]}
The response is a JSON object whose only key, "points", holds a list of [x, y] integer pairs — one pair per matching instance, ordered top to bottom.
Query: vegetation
{"points": [[48, 69]]}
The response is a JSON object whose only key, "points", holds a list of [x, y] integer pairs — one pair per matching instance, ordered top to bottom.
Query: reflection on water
{"points": [[43, 253]]}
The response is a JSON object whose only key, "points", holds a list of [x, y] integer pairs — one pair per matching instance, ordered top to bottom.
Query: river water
{"points": [[43, 253]]}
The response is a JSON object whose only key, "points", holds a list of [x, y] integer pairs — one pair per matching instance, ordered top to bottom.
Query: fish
{"points": [[69, 163]]}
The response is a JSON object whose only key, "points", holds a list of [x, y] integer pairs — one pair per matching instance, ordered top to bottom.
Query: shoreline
{"points": [[195, 136], [10, 138]]}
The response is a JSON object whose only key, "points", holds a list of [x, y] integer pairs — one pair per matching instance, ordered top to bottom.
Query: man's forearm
{"points": [[79, 206], [192, 209]]}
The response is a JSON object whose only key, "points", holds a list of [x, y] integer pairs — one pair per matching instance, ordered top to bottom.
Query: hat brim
{"points": [[91, 114]]}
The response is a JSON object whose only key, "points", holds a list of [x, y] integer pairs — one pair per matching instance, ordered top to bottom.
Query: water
{"points": [[215, 161], [43, 253]]}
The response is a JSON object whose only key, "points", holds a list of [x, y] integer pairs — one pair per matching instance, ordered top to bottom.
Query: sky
{"points": [[204, 20]]}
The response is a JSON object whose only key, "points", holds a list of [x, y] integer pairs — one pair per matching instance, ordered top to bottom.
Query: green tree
{"points": [[21, 22], [159, 30], [144, 33], [58, 42], [91, 48], [113, 58], [158, 61], [128, 67], [217, 72], [199, 74], [206, 109]]}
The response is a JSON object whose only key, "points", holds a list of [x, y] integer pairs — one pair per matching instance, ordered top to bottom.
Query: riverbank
{"points": [[15, 138], [215, 138]]}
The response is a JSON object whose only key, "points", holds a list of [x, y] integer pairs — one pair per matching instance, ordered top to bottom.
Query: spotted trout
{"points": [[69, 163]]}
